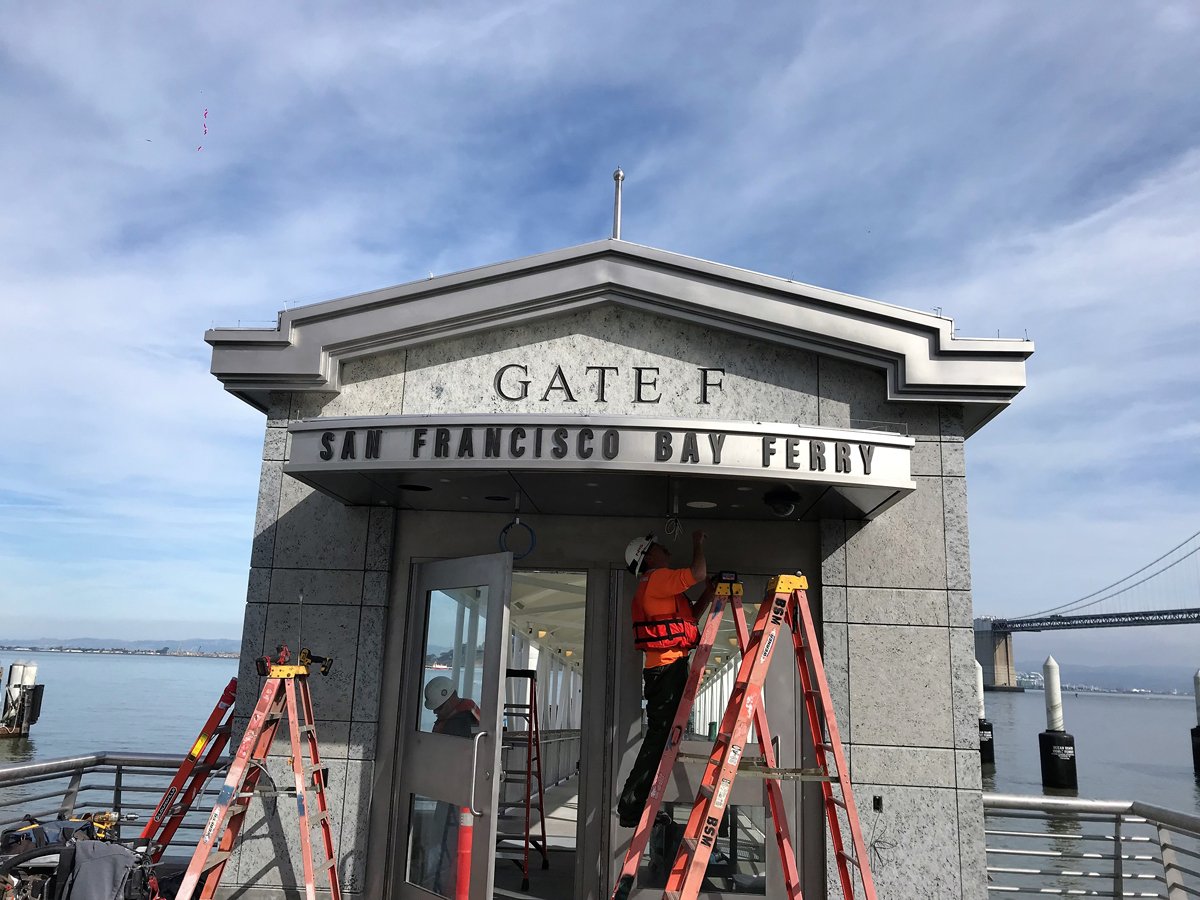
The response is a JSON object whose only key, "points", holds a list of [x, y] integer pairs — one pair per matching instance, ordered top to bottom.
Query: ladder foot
{"points": [[624, 888]]}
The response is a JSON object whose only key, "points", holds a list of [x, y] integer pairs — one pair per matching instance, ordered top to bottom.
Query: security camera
{"points": [[782, 501]]}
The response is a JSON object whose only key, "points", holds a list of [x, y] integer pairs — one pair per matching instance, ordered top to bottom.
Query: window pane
{"points": [[455, 631], [433, 845]]}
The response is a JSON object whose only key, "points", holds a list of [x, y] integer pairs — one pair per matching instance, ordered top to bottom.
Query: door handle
{"points": [[474, 771]]}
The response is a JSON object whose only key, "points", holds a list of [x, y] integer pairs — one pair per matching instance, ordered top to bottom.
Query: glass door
{"points": [[451, 733]]}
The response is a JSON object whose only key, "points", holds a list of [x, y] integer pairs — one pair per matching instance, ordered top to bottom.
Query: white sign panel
{"points": [[550, 443]]}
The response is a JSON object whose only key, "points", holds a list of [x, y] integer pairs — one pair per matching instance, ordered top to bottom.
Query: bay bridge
{"points": [[1165, 591]]}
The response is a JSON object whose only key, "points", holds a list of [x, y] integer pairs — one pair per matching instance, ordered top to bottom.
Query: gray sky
{"points": [[1028, 168]]}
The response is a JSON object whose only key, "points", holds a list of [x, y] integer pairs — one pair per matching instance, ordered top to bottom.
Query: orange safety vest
{"points": [[674, 631], [464, 707]]}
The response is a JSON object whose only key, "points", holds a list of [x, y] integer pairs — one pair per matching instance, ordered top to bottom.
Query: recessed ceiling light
{"points": [[444, 480], [592, 484], [413, 487], [745, 490], [464, 497], [598, 502], [701, 504], [735, 506]]}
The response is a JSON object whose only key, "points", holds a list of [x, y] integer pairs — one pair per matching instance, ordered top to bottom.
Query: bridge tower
{"points": [[994, 650]]}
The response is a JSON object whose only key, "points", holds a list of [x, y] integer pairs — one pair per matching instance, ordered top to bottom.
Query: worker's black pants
{"points": [[662, 686]]}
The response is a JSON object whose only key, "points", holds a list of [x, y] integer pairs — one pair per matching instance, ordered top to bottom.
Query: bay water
{"points": [[1129, 746]]}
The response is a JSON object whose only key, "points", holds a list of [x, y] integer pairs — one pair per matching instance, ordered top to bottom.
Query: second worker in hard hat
{"points": [[665, 629]]}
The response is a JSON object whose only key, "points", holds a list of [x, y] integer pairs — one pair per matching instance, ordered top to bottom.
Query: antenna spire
{"points": [[618, 177]]}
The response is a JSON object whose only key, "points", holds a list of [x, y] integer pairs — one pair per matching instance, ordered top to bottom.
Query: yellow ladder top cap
{"points": [[787, 583]]}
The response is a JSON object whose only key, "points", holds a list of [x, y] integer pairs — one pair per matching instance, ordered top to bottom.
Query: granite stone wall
{"points": [[318, 578], [895, 591], [899, 653]]}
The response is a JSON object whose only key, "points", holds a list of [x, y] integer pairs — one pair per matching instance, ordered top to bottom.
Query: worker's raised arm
{"points": [[699, 566]]}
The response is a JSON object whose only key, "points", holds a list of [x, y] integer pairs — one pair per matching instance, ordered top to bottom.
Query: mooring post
{"points": [[1196, 730], [1056, 747], [987, 748]]}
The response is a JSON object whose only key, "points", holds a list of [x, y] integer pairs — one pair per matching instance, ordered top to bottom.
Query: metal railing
{"points": [[128, 783], [1048, 846]]}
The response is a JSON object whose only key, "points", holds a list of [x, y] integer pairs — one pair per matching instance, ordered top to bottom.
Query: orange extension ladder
{"points": [[728, 591], [786, 600], [285, 692], [189, 778]]}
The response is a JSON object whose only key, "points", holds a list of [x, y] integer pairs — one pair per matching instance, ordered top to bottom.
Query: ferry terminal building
{"points": [[596, 393]]}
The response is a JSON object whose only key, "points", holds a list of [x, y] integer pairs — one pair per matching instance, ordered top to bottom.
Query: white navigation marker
{"points": [[1054, 709]]}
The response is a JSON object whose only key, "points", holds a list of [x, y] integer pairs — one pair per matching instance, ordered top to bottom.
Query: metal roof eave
{"points": [[923, 359]]}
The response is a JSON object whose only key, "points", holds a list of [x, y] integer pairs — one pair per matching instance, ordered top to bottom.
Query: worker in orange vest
{"points": [[665, 629]]}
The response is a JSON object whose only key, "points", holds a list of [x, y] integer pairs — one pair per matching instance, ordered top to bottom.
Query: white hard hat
{"points": [[636, 550], [438, 691]]}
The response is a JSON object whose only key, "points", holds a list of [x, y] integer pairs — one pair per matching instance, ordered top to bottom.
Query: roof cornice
{"points": [[918, 351]]}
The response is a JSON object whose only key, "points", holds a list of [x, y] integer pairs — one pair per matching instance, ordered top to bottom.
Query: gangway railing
{"points": [[128, 783], [1054, 846]]}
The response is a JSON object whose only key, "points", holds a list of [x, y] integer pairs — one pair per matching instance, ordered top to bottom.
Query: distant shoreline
{"points": [[121, 651]]}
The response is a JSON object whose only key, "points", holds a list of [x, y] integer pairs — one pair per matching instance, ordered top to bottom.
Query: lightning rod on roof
{"points": [[618, 177]]}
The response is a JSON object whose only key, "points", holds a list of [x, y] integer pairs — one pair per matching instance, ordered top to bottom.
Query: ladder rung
{"points": [[838, 802], [322, 816], [217, 857], [848, 858], [329, 864]]}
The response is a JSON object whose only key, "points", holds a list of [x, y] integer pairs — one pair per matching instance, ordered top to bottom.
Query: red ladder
{"points": [[728, 590], [786, 600], [285, 692], [532, 744], [190, 777]]}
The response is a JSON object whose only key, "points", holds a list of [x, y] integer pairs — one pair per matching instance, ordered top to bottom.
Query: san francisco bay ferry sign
{"points": [[550, 442]]}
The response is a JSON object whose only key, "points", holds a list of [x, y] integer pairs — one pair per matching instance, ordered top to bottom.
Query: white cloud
{"points": [[1021, 166]]}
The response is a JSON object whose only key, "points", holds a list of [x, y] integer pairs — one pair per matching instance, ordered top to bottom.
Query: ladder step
{"points": [[837, 801], [217, 857], [850, 859]]}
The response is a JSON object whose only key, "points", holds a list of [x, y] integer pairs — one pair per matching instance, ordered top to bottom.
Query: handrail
{"points": [[89, 782], [1142, 846]]}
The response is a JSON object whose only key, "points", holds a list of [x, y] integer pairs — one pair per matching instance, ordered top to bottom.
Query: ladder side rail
{"points": [[800, 609], [221, 716], [816, 729], [321, 781], [541, 781], [195, 785], [528, 798], [230, 802], [641, 834], [783, 835], [687, 873], [310, 888]]}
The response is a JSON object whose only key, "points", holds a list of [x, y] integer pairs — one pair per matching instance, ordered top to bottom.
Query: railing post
{"points": [[72, 794], [116, 804], [1118, 862], [1175, 886]]}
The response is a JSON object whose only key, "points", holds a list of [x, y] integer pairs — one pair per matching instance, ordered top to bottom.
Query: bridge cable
{"points": [[1075, 603]]}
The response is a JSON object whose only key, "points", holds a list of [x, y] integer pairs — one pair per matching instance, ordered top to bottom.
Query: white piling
{"points": [[979, 688], [1196, 691], [1054, 709]]}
